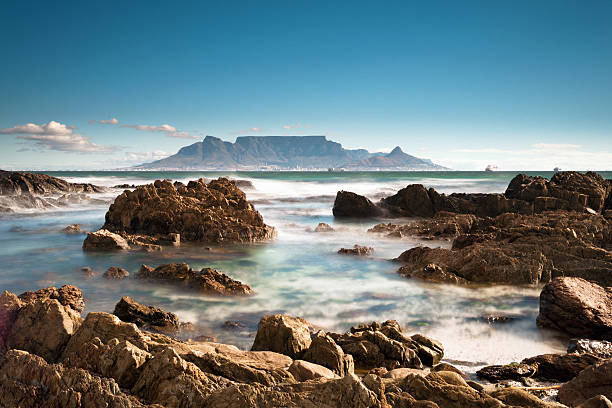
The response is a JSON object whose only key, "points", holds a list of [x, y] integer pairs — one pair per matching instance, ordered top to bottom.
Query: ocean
{"points": [[298, 273]]}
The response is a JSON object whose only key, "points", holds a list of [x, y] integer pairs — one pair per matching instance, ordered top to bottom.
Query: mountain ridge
{"points": [[283, 153]]}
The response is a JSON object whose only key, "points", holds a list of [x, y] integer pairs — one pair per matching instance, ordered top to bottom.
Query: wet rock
{"points": [[22, 183], [353, 205], [199, 212], [443, 225], [323, 227], [72, 229], [104, 240], [357, 250], [87, 271], [115, 272], [431, 273], [206, 281], [577, 307], [147, 317], [495, 318], [234, 325], [43, 327], [282, 334], [599, 348], [324, 351], [560, 367], [304, 371], [496, 373], [28, 380], [590, 382]]}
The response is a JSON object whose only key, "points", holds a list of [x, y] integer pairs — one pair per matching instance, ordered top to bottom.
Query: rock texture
{"points": [[352, 205], [215, 212], [104, 240], [358, 250], [115, 272], [207, 281], [577, 307], [146, 317], [282, 334], [598, 348], [591, 382]]}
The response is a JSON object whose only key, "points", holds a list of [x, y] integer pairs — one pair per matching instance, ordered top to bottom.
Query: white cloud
{"points": [[111, 121], [289, 127], [169, 130], [248, 131], [56, 136], [144, 157]]}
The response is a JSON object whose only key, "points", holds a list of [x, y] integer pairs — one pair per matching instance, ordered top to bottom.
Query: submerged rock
{"points": [[353, 205], [200, 212], [323, 227], [72, 229], [104, 240], [357, 250], [115, 272], [206, 281], [577, 307]]}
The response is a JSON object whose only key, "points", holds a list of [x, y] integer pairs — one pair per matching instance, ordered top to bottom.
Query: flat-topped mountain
{"points": [[283, 153]]}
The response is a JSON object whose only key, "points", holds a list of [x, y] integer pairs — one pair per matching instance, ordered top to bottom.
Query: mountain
{"points": [[280, 153]]}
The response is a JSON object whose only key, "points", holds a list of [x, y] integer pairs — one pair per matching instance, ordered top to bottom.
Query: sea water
{"points": [[298, 273]]}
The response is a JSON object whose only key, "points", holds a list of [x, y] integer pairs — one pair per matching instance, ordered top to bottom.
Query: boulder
{"points": [[353, 205], [200, 212], [323, 227], [72, 229], [104, 240], [357, 250], [115, 272], [207, 281], [68, 295], [9, 307], [577, 307], [147, 317], [282, 334], [599, 348], [324, 351], [560, 367], [304, 371], [513, 371], [590, 382], [598, 401]]}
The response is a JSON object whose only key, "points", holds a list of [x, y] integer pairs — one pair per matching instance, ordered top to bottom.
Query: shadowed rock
{"points": [[353, 205]]}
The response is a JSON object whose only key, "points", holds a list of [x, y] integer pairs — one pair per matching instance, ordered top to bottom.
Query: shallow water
{"points": [[299, 273]]}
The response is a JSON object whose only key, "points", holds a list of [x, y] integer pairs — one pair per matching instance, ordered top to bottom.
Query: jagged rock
{"points": [[21, 183], [353, 205], [213, 212], [443, 225], [323, 227], [72, 229], [104, 240], [357, 250], [115, 272], [431, 273], [206, 281], [68, 295], [9, 307], [577, 307], [148, 317], [282, 334], [599, 348], [324, 351], [448, 367], [560, 367], [305, 370], [514, 371], [28, 381], [590, 382], [598, 401]]}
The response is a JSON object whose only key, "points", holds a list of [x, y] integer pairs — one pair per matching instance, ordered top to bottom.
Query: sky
{"points": [[524, 85]]}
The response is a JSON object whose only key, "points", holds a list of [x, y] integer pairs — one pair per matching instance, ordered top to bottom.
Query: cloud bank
{"points": [[169, 130]]}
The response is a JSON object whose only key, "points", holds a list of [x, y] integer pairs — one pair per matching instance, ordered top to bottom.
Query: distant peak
{"points": [[397, 150]]}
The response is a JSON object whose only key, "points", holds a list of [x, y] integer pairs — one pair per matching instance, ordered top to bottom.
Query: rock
{"points": [[21, 183], [352, 205], [199, 212], [443, 225], [323, 227], [72, 229], [104, 240], [357, 250], [87, 271], [115, 272], [431, 273], [207, 281], [68, 295], [9, 307], [577, 307], [147, 317], [495, 318], [234, 325], [43, 327], [282, 334], [599, 348], [324, 351], [448, 367], [560, 367], [304, 371], [404, 372], [496, 373], [28, 381], [590, 382], [598, 401]]}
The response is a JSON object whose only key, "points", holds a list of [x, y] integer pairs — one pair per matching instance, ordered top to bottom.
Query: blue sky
{"points": [[520, 84]]}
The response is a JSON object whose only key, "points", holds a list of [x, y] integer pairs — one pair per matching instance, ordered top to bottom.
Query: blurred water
{"points": [[299, 273]]}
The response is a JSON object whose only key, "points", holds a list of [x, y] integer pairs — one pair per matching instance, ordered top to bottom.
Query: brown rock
{"points": [[21, 183], [353, 205], [201, 212], [323, 227], [72, 229], [104, 240], [357, 250], [115, 272], [206, 281], [68, 295], [9, 307], [577, 307], [147, 317], [282, 334], [599, 348], [324, 351], [560, 367], [304, 371], [514, 371], [592, 381], [598, 401]]}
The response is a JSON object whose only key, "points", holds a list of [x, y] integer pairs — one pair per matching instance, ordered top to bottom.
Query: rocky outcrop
{"points": [[18, 183], [353, 205], [199, 212], [443, 225], [323, 227], [72, 229], [104, 240], [358, 250], [115, 272], [207, 281], [68, 296], [577, 307], [146, 317], [282, 334], [599, 348], [323, 350], [591, 382]]}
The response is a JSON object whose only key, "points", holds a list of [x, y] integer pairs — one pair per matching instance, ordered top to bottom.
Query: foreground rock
{"points": [[352, 205], [215, 212], [105, 240], [358, 250], [206, 281], [577, 307], [146, 317], [282, 334], [598, 348], [591, 382]]}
